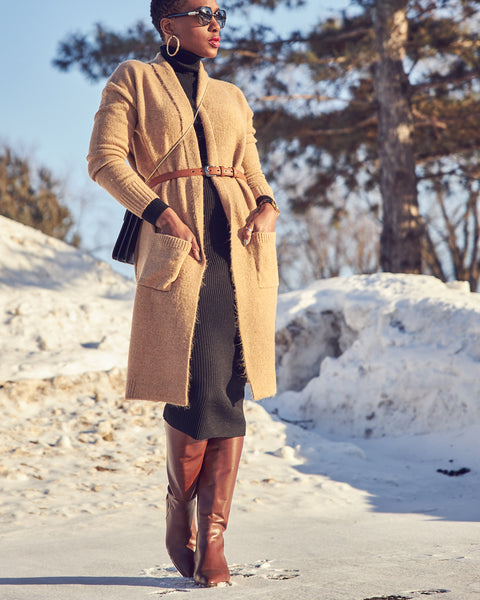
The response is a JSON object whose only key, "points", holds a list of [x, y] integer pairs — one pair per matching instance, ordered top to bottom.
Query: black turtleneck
{"points": [[184, 60]]}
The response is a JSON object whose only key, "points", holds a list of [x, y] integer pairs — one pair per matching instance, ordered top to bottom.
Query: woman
{"points": [[205, 265]]}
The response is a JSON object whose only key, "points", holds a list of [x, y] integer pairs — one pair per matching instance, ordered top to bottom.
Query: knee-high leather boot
{"points": [[184, 462], [214, 499]]}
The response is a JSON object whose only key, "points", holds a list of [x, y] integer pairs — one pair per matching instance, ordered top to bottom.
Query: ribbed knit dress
{"points": [[217, 382]]}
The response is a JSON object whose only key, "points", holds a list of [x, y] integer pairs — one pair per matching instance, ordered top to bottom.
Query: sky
{"points": [[48, 115]]}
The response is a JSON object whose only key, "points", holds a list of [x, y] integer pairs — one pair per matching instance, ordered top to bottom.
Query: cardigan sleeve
{"points": [[111, 144], [251, 163]]}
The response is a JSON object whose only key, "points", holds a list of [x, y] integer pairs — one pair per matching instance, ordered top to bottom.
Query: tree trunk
{"points": [[401, 238]]}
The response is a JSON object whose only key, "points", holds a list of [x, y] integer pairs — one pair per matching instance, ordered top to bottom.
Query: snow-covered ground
{"points": [[350, 486]]}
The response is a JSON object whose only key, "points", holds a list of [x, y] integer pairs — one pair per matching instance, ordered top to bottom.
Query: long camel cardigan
{"points": [[143, 112]]}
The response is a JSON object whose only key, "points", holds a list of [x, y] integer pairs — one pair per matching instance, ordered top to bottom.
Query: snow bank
{"points": [[63, 312], [379, 355]]}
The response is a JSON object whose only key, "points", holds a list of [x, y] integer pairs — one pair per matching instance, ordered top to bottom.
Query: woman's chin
{"points": [[205, 51], [212, 53]]}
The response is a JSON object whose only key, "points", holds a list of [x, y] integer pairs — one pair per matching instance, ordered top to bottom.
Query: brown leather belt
{"points": [[205, 171]]}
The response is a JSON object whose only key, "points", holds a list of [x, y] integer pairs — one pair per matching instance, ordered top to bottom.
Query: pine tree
{"points": [[33, 197]]}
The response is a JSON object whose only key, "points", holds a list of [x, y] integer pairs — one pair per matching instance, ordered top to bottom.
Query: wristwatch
{"points": [[268, 200]]}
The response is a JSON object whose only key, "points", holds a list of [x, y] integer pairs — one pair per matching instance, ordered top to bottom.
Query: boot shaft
{"points": [[216, 485]]}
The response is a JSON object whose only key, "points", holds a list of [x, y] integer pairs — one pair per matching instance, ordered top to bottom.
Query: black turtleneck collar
{"points": [[183, 62]]}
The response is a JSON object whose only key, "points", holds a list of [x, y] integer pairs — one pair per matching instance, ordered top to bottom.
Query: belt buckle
{"points": [[207, 171]]}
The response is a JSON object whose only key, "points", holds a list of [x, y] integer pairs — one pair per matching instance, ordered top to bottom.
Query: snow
{"points": [[64, 312], [397, 354], [339, 493]]}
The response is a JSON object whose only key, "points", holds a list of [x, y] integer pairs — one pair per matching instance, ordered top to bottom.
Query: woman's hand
{"points": [[260, 219], [171, 224]]}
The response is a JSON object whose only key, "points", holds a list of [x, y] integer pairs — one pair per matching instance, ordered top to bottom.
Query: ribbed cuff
{"points": [[264, 197], [154, 210]]}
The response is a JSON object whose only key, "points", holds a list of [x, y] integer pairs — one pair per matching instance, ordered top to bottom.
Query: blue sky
{"points": [[49, 114]]}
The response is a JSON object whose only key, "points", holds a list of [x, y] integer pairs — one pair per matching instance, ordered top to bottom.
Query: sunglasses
{"points": [[204, 16]]}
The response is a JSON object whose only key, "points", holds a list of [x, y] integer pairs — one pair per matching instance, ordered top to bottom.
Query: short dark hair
{"points": [[161, 8]]}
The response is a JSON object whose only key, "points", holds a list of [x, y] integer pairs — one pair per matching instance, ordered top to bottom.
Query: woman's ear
{"points": [[166, 26]]}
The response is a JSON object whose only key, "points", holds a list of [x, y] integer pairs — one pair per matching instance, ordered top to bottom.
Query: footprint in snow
{"points": [[263, 569], [171, 582]]}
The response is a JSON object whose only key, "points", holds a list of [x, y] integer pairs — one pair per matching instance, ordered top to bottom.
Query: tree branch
{"points": [[373, 120]]}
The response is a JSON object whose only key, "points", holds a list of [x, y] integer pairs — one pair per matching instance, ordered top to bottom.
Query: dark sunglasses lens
{"points": [[205, 16], [221, 17]]}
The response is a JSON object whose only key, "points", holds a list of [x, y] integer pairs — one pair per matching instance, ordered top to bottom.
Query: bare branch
{"points": [[342, 130]]}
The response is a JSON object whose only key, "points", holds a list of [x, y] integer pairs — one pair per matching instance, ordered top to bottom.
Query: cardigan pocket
{"points": [[265, 254], [163, 262]]}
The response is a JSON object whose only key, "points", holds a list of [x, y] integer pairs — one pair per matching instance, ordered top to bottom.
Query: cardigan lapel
{"points": [[170, 80], [202, 83], [172, 85], [208, 106]]}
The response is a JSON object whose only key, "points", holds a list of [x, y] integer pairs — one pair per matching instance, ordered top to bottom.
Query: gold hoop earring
{"points": [[168, 45]]}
